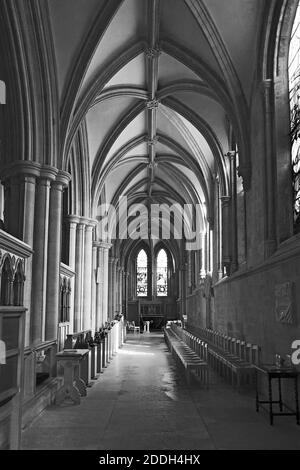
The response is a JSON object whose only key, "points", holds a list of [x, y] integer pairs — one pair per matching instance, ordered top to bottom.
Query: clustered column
{"points": [[33, 205], [233, 211], [19, 218], [226, 232], [54, 249], [80, 255], [40, 258], [101, 279], [87, 280]]}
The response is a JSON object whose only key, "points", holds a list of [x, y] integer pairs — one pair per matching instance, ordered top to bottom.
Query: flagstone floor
{"points": [[142, 402]]}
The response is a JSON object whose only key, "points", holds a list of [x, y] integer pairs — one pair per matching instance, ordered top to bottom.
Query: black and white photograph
{"points": [[149, 230]]}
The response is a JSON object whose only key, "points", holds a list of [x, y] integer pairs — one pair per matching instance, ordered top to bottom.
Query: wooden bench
{"points": [[189, 352], [231, 358]]}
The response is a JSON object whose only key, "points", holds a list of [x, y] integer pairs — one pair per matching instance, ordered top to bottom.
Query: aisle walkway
{"points": [[142, 402]]}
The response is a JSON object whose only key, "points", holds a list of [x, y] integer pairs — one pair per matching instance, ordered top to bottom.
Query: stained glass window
{"points": [[294, 90], [142, 274], [162, 274]]}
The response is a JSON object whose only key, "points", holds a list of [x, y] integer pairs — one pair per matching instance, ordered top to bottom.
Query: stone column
{"points": [[29, 184], [18, 212], [233, 212], [270, 219], [73, 222], [219, 230], [106, 248], [211, 249], [54, 252], [40, 256], [226, 258], [184, 268], [203, 269], [121, 271], [87, 276], [99, 285], [110, 286], [114, 287], [94, 289], [180, 289], [125, 293], [78, 307]]}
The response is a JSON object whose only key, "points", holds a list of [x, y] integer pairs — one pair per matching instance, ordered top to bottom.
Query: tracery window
{"points": [[294, 92], [142, 274], [162, 274]]}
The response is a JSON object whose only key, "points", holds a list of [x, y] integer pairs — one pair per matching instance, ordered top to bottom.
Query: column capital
{"points": [[267, 84], [231, 154], [21, 168], [48, 173], [63, 178], [225, 199], [73, 219], [89, 222], [89, 228], [104, 245]]}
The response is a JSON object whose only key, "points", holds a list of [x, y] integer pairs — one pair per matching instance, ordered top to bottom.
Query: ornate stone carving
{"points": [[152, 53], [153, 104], [151, 142], [153, 165]]}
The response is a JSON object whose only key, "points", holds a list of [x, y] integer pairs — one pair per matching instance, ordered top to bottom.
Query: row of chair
{"points": [[196, 344], [189, 351], [232, 358]]}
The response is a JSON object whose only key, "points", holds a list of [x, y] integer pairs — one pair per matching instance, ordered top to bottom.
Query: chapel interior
{"points": [[130, 106]]}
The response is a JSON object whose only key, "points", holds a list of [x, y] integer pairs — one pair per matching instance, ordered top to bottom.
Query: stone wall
{"points": [[246, 305]]}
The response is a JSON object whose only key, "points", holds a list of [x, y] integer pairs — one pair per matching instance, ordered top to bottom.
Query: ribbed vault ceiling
{"points": [[158, 85]]}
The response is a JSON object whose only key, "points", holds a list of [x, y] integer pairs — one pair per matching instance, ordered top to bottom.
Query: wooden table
{"points": [[278, 373], [74, 387]]}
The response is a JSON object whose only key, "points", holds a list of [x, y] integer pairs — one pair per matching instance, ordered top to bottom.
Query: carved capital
{"points": [[231, 154], [225, 200]]}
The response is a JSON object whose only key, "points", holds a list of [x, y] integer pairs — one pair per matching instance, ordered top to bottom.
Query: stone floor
{"points": [[141, 402]]}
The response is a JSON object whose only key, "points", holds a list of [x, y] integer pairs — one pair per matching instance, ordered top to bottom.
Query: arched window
{"points": [[294, 92], [142, 274], [162, 274]]}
